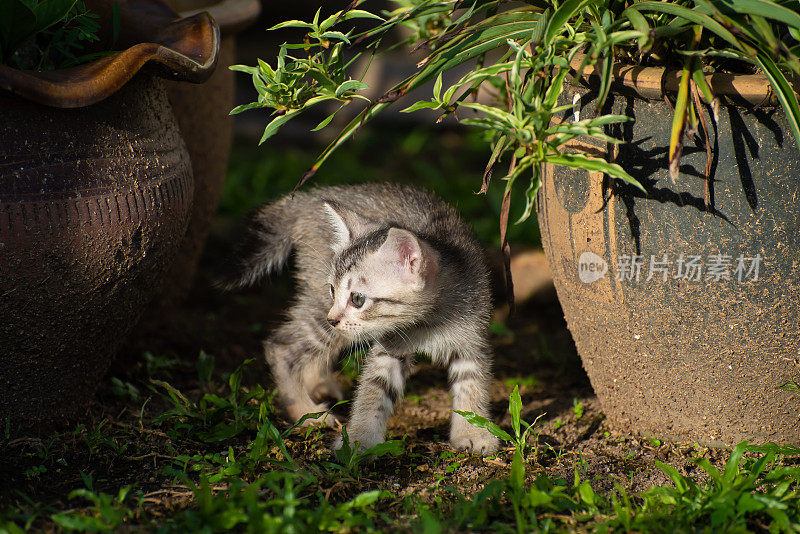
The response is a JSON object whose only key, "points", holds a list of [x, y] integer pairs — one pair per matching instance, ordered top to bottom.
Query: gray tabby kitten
{"points": [[386, 265]]}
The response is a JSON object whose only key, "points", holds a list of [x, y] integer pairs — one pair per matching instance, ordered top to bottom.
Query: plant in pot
{"points": [[657, 142], [95, 187]]}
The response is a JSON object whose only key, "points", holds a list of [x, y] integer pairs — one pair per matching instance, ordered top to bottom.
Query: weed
{"points": [[500, 329], [159, 365], [205, 367], [527, 381], [124, 390], [413, 399], [577, 408], [214, 418], [520, 438], [98, 439], [350, 457], [35, 471], [262, 479], [750, 493], [543, 495], [285, 498], [279, 501], [454, 512], [106, 513], [21, 518]]}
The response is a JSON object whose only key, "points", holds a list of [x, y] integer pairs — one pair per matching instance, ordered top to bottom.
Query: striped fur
{"points": [[425, 289]]}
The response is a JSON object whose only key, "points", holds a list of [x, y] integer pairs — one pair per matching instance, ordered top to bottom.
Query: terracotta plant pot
{"points": [[202, 114], [93, 203], [671, 356]]}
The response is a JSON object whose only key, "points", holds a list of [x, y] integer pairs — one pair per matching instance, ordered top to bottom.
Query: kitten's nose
{"points": [[333, 322]]}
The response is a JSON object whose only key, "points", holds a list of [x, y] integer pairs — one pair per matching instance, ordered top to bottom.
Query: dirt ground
{"points": [[118, 443]]}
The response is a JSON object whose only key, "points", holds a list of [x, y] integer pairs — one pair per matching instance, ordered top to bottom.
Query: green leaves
{"points": [[561, 16], [17, 24], [59, 26], [318, 29], [748, 30], [535, 48], [297, 84], [350, 85], [783, 91], [580, 161], [515, 409], [213, 418], [483, 422], [350, 456], [746, 490], [530, 502], [107, 513]]}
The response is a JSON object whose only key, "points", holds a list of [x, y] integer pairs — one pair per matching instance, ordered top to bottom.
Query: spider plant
{"points": [[535, 47]]}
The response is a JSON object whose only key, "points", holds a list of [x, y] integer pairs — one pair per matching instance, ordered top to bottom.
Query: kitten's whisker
{"points": [[400, 333], [375, 339], [363, 351]]}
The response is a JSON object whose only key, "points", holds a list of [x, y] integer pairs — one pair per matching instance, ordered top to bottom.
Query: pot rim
{"points": [[232, 16], [184, 49], [654, 83]]}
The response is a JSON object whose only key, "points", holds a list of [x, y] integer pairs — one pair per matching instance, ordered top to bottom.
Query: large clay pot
{"points": [[207, 128], [93, 203], [676, 358]]}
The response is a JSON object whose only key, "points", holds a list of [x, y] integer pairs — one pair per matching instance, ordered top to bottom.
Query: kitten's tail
{"points": [[265, 247]]}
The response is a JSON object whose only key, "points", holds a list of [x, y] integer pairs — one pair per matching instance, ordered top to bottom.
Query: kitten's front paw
{"points": [[326, 419], [329, 420], [479, 441]]}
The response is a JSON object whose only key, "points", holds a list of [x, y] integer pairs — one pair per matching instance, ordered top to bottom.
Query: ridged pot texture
{"points": [[93, 203], [684, 302]]}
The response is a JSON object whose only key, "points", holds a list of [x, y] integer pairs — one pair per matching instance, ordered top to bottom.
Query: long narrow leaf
{"points": [[764, 8], [691, 16], [560, 17], [489, 38], [783, 90], [679, 120], [580, 161], [482, 422]]}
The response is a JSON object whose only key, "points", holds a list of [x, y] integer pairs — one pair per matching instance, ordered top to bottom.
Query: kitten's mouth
{"points": [[348, 330]]}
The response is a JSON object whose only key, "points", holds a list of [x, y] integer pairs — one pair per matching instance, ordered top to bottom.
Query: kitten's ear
{"points": [[346, 225], [404, 249]]}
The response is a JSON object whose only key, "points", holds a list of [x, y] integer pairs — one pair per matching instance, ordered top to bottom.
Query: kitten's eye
{"points": [[330, 288], [357, 299]]}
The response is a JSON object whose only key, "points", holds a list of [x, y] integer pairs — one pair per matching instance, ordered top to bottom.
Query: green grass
{"points": [[240, 472]]}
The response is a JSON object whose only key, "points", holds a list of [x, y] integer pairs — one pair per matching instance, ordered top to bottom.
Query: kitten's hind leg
{"points": [[297, 363], [470, 378], [320, 383], [379, 389]]}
